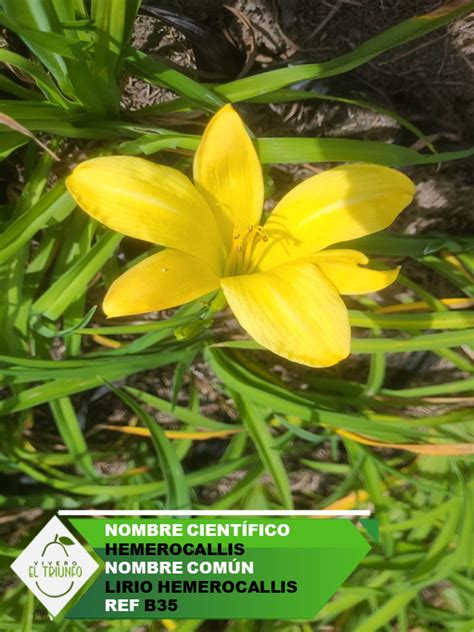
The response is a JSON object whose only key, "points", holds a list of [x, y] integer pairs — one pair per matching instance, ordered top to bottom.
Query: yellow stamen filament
{"points": [[240, 257]]}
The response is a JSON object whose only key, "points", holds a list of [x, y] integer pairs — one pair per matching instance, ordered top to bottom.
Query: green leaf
{"points": [[113, 21], [33, 22], [402, 33], [55, 44], [157, 72], [15, 89], [290, 96], [29, 111], [9, 141], [296, 150], [19, 232], [393, 245], [458, 277], [73, 282], [415, 322], [50, 332], [428, 342], [182, 368], [64, 379], [459, 386], [261, 391], [186, 415], [253, 418], [71, 433], [311, 437], [152, 489], [177, 496], [65, 540], [386, 612], [28, 613]]}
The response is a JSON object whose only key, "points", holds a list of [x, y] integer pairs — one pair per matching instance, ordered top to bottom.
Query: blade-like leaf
{"points": [[402, 33], [157, 72], [296, 150], [57, 200], [253, 418], [177, 496]]}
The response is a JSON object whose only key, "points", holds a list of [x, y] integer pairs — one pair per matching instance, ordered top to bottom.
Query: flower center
{"points": [[243, 244]]}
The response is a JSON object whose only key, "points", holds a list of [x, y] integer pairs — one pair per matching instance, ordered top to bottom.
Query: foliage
{"points": [[57, 357]]}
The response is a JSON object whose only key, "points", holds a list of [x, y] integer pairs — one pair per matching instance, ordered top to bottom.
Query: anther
{"points": [[261, 233]]}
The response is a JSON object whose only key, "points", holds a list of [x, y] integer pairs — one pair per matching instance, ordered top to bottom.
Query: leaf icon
{"points": [[65, 540]]}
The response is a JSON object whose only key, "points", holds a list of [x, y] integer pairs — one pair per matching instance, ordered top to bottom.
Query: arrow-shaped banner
{"points": [[229, 568]]}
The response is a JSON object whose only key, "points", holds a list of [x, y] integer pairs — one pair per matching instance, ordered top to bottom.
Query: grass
{"points": [[223, 408]]}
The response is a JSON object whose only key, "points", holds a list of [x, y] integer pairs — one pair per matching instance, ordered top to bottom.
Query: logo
{"points": [[54, 566]]}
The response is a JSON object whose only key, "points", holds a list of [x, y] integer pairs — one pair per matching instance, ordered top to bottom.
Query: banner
{"points": [[193, 568]]}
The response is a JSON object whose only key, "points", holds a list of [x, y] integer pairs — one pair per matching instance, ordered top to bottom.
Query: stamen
{"points": [[261, 233], [241, 254]]}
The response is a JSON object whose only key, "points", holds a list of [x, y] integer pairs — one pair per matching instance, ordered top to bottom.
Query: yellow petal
{"points": [[228, 173], [147, 201], [338, 205], [342, 255], [349, 278], [164, 280], [293, 311]]}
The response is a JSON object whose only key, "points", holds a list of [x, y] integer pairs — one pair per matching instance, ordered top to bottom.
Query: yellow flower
{"points": [[279, 279]]}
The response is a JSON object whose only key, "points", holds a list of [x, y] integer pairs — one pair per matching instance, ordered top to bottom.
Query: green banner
{"points": [[232, 568]]}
